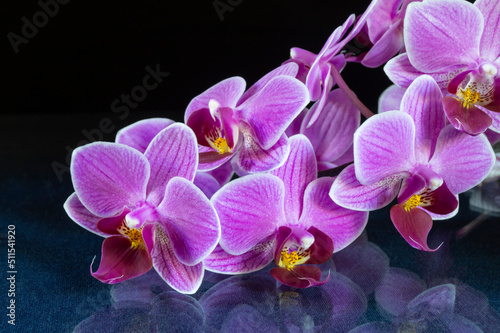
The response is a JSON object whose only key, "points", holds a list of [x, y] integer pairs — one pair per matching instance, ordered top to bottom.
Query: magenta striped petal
{"points": [[447, 21], [490, 40], [386, 47], [401, 71], [226, 93], [390, 99], [423, 102], [273, 109], [470, 120], [141, 133], [331, 135], [384, 146], [172, 153], [252, 158], [462, 160], [296, 173], [108, 176], [206, 183], [348, 192], [250, 209], [81, 215], [190, 221], [342, 225], [413, 225], [219, 261], [185, 279]]}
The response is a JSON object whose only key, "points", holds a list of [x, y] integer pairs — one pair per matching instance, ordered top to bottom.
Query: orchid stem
{"points": [[349, 93], [465, 230]]}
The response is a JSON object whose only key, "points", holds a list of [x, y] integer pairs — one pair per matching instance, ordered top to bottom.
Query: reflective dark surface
{"points": [[378, 284]]}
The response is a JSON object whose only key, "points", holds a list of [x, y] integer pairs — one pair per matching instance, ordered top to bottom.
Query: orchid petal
{"points": [[381, 17], [447, 21], [490, 40], [385, 48], [288, 69], [401, 71], [327, 84], [226, 93], [390, 99], [423, 102], [273, 108], [470, 120], [336, 124], [203, 125], [230, 126], [140, 134], [384, 146], [172, 153], [253, 158], [211, 160], [462, 160], [296, 173], [222, 174], [108, 176], [206, 183], [411, 186], [348, 192], [444, 203], [250, 209], [81, 215], [190, 220], [111, 225], [342, 225], [414, 225], [322, 248], [219, 261], [120, 262], [303, 276], [185, 279], [397, 289]]}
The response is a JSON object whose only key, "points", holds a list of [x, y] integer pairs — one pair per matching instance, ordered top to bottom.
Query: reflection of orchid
{"points": [[467, 67], [223, 113], [433, 162], [147, 208], [286, 215]]}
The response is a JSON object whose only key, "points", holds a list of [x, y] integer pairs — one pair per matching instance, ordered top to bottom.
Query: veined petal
{"points": [[381, 17], [447, 21], [490, 40], [385, 48], [289, 69], [401, 71], [327, 84], [226, 93], [423, 102], [274, 108], [204, 126], [230, 127], [140, 134], [331, 135], [384, 146], [172, 153], [251, 157], [211, 160], [462, 160], [296, 173], [108, 176], [206, 183], [348, 192], [250, 209], [81, 215], [190, 221], [342, 225], [414, 225], [219, 261], [120, 262], [303, 276], [185, 279]]}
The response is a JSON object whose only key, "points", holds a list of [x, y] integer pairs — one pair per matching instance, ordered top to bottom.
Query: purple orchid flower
{"points": [[384, 31], [463, 56], [321, 69], [251, 124], [140, 134], [331, 135], [413, 146], [147, 208], [286, 216]]}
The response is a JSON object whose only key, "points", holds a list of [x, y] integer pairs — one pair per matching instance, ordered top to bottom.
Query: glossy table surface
{"points": [[379, 281]]}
